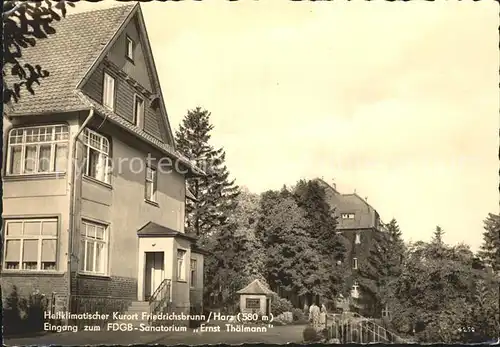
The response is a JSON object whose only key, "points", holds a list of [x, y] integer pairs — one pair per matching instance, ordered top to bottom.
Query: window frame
{"points": [[129, 42], [104, 91], [139, 119], [53, 142], [104, 155], [153, 182], [349, 216], [40, 238], [357, 238], [87, 239], [355, 263], [193, 270], [181, 273], [355, 289], [386, 312]]}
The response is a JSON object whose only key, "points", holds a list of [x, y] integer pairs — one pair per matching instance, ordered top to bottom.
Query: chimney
{"points": [[334, 185], [366, 198]]}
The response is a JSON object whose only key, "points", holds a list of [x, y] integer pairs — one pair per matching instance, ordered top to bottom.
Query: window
{"points": [[130, 49], [108, 92], [139, 111], [38, 150], [96, 153], [151, 178], [347, 215], [357, 239], [30, 244], [93, 248], [355, 263], [181, 270], [193, 272], [355, 290], [252, 303], [386, 312]]}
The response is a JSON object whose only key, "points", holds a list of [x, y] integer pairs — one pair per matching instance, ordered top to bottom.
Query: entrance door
{"points": [[155, 272]]}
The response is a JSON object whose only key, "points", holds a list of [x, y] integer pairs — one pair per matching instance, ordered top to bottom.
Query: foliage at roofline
{"points": [[24, 24]]}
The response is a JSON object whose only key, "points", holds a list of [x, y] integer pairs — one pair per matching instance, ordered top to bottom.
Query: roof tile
{"points": [[67, 55], [256, 287]]}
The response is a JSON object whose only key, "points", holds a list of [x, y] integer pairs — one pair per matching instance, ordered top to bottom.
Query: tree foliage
{"points": [[24, 24], [216, 194], [216, 201], [330, 245], [490, 248], [237, 256], [292, 260], [381, 268], [436, 296]]}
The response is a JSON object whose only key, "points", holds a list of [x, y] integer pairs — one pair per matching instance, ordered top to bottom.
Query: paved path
{"points": [[275, 335]]}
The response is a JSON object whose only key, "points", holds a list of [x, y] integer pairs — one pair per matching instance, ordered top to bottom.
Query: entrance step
{"points": [[136, 309]]}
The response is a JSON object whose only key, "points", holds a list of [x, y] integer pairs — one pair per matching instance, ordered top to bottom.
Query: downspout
{"points": [[73, 203]]}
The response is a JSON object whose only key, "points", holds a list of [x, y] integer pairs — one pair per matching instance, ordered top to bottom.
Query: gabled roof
{"points": [[79, 41], [150, 63], [350, 203], [156, 230], [255, 287]]}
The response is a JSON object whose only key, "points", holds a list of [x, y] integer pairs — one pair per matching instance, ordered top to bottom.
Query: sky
{"points": [[396, 101]]}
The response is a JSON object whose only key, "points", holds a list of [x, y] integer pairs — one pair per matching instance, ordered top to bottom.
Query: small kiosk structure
{"points": [[255, 298]]}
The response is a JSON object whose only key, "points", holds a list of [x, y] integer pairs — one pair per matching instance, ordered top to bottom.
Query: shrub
{"points": [[37, 305], [280, 305], [11, 313], [21, 315], [298, 315], [310, 335]]}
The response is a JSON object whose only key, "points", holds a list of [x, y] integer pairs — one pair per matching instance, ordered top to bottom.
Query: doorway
{"points": [[154, 273]]}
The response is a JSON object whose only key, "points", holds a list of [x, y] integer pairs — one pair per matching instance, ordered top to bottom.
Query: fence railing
{"points": [[159, 302], [91, 304], [351, 327]]}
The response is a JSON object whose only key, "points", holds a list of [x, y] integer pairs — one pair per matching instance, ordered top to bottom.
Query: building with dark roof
{"points": [[358, 222], [104, 226]]}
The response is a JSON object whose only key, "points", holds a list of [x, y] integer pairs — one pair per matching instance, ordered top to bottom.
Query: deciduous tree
{"points": [[293, 264]]}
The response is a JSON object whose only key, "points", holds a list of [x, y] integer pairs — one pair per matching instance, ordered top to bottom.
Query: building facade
{"points": [[94, 189], [359, 223]]}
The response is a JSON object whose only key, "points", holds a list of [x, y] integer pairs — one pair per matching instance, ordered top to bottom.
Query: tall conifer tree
{"points": [[216, 194], [490, 248]]}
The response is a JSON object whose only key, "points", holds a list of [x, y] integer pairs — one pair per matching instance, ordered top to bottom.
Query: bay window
{"points": [[38, 150], [96, 153], [30, 244], [93, 248]]}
